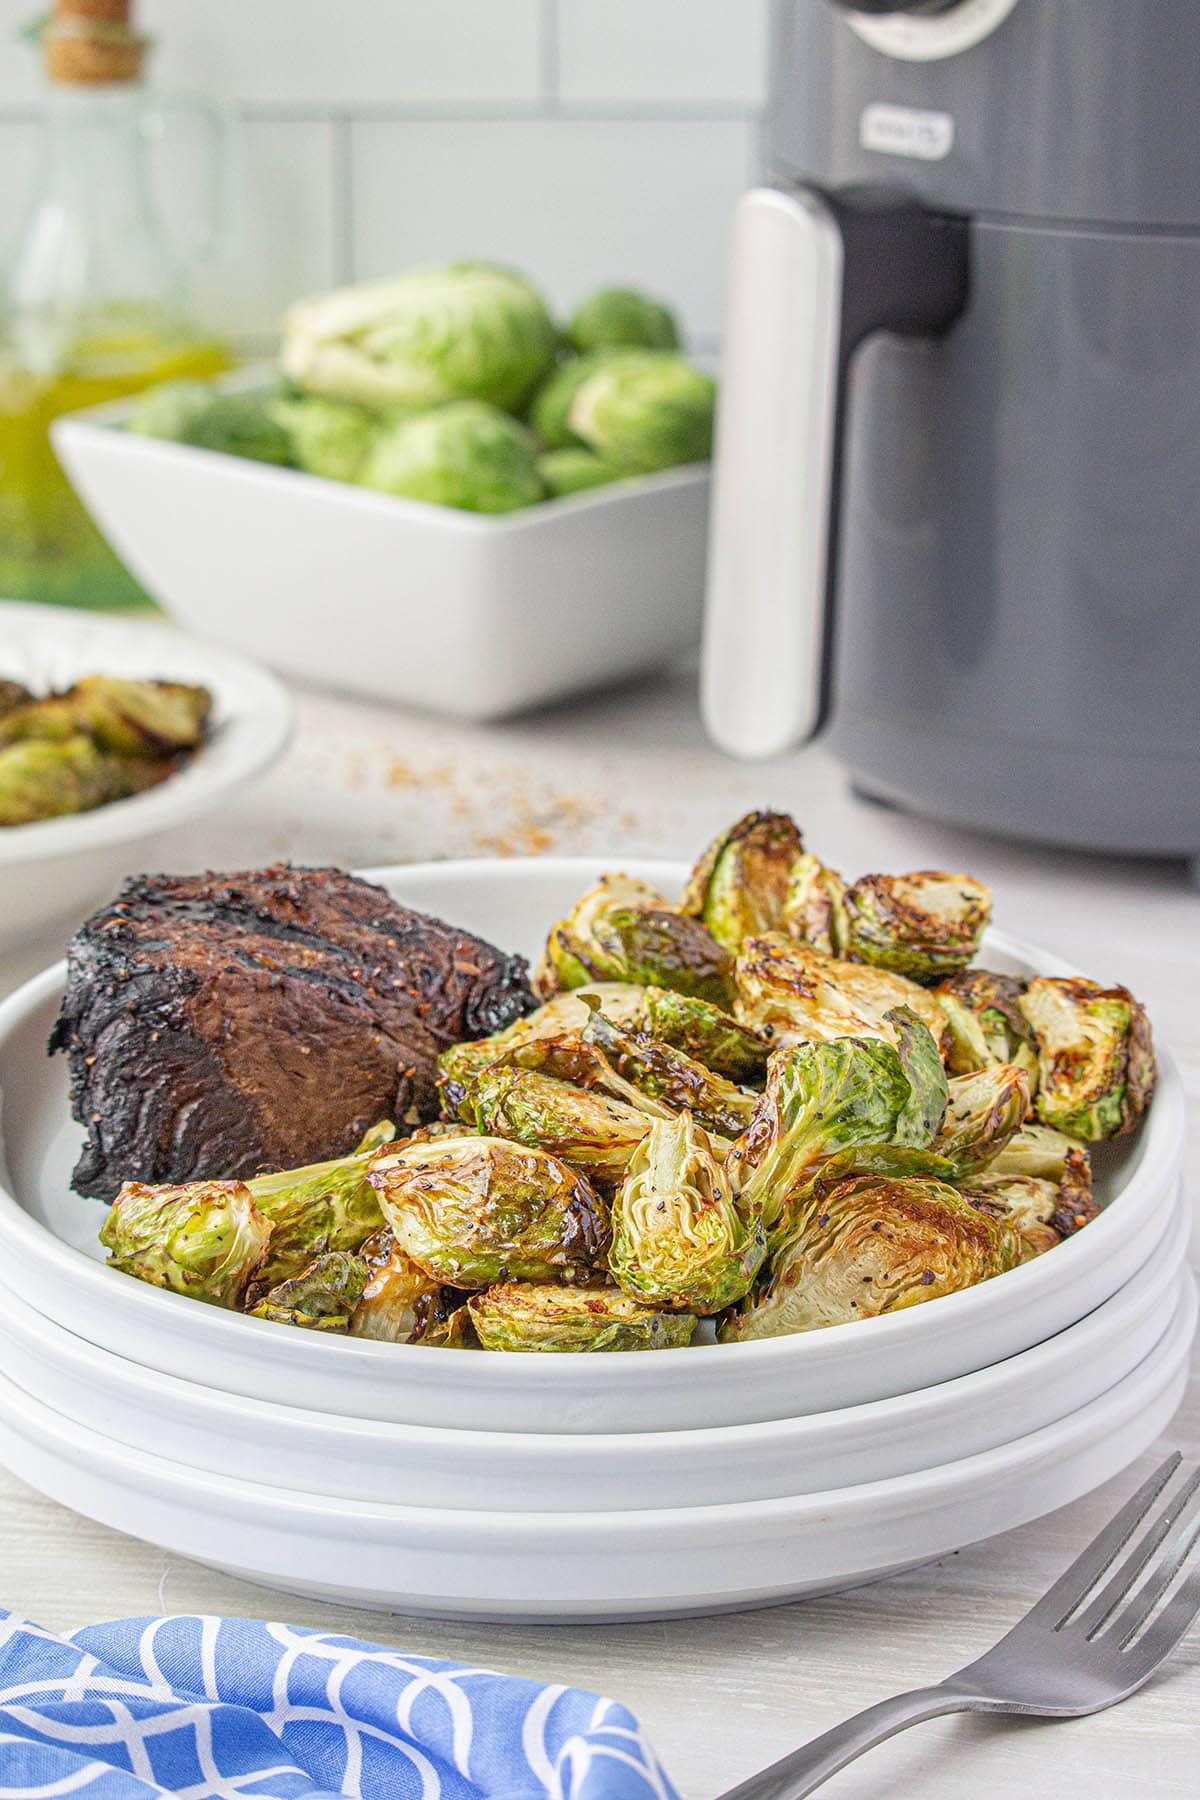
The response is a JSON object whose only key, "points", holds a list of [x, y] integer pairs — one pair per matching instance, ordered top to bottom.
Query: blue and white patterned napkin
{"points": [[219, 1709]]}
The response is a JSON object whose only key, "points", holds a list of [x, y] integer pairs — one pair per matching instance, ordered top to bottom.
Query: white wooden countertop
{"points": [[631, 773]]}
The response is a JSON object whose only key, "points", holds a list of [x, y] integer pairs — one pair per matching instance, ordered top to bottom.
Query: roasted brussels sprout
{"points": [[619, 316], [464, 331], [645, 410], [328, 437], [469, 454], [573, 471], [13, 694], [125, 719], [40, 779], [740, 884], [812, 907], [923, 925], [623, 930], [792, 993], [983, 1011], [564, 1016], [697, 1027], [1096, 1067], [662, 1073], [929, 1091], [820, 1098], [984, 1113], [595, 1134], [1036, 1150], [324, 1207], [474, 1210], [1041, 1211], [679, 1238], [206, 1240], [865, 1245], [323, 1297], [400, 1303], [519, 1315]]}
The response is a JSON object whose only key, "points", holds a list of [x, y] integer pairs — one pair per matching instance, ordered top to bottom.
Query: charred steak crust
{"points": [[219, 1025]]}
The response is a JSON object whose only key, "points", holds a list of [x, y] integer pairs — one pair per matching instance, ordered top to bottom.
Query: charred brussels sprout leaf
{"points": [[740, 885], [812, 908], [923, 925], [626, 931], [792, 993], [983, 1011], [563, 1016], [701, 1030], [921, 1061], [1096, 1067], [662, 1073], [985, 1113], [594, 1133], [1036, 1150], [324, 1207], [474, 1210], [1042, 1211], [679, 1238], [205, 1240], [865, 1245], [322, 1297], [400, 1303], [528, 1316]]}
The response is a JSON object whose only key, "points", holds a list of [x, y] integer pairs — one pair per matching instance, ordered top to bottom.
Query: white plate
{"points": [[462, 613], [55, 870], [48, 1247], [412, 1465], [594, 1565]]}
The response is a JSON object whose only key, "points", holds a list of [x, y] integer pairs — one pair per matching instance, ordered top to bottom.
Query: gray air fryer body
{"points": [[957, 511]]}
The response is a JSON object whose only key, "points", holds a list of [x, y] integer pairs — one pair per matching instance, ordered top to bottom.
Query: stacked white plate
{"points": [[597, 1487]]}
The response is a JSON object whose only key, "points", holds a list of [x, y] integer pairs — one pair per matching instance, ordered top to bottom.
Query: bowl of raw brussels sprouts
{"points": [[508, 507], [758, 1127]]}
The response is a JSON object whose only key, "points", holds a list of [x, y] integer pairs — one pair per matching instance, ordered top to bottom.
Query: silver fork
{"points": [[1081, 1648]]}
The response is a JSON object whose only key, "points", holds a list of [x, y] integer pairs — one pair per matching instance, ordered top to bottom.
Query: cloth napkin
{"points": [[220, 1709]]}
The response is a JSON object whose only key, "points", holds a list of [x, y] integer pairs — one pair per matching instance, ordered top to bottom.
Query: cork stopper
{"points": [[92, 43]]}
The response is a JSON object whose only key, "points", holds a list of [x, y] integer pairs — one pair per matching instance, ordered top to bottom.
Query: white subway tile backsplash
{"points": [[654, 52], [353, 53], [575, 202]]}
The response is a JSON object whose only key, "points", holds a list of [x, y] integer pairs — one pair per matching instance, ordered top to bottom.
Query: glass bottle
{"points": [[93, 303]]}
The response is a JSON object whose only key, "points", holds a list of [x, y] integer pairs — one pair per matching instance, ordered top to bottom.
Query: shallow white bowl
{"points": [[465, 614], [51, 873], [48, 1248], [359, 1459], [593, 1565]]}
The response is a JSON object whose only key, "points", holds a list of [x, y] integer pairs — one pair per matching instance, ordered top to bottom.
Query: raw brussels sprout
{"points": [[621, 316], [463, 331], [551, 404], [186, 412], [647, 412], [328, 437], [470, 455], [570, 471], [40, 779], [740, 885], [812, 907], [923, 925], [623, 930], [792, 993], [983, 1011], [700, 1029], [1096, 1067], [660, 1072], [820, 1098], [985, 1112], [595, 1134], [1036, 1150], [321, 1208], [473, 1210], [1042, 1211], [679, 1238], [206, 1239], [865, 1245], [323, 1297], [400, 1303], [521, 1315]]}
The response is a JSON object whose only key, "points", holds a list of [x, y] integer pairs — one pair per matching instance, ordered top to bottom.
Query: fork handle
{"points": [[806, 1769]]}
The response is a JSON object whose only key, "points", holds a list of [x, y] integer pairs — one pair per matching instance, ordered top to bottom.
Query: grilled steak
{"points": [[218, 1025]]}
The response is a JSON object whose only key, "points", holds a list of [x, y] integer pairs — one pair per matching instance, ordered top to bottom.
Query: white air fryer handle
{"points": [[814, 274], [773, 475]]}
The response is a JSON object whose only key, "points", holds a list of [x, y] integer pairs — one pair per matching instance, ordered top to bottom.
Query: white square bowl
{"points": [[477, 616]]}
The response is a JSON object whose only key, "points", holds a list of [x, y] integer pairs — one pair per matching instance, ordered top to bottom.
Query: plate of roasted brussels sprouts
{"points": [[111, 731], [812, 1142]]}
